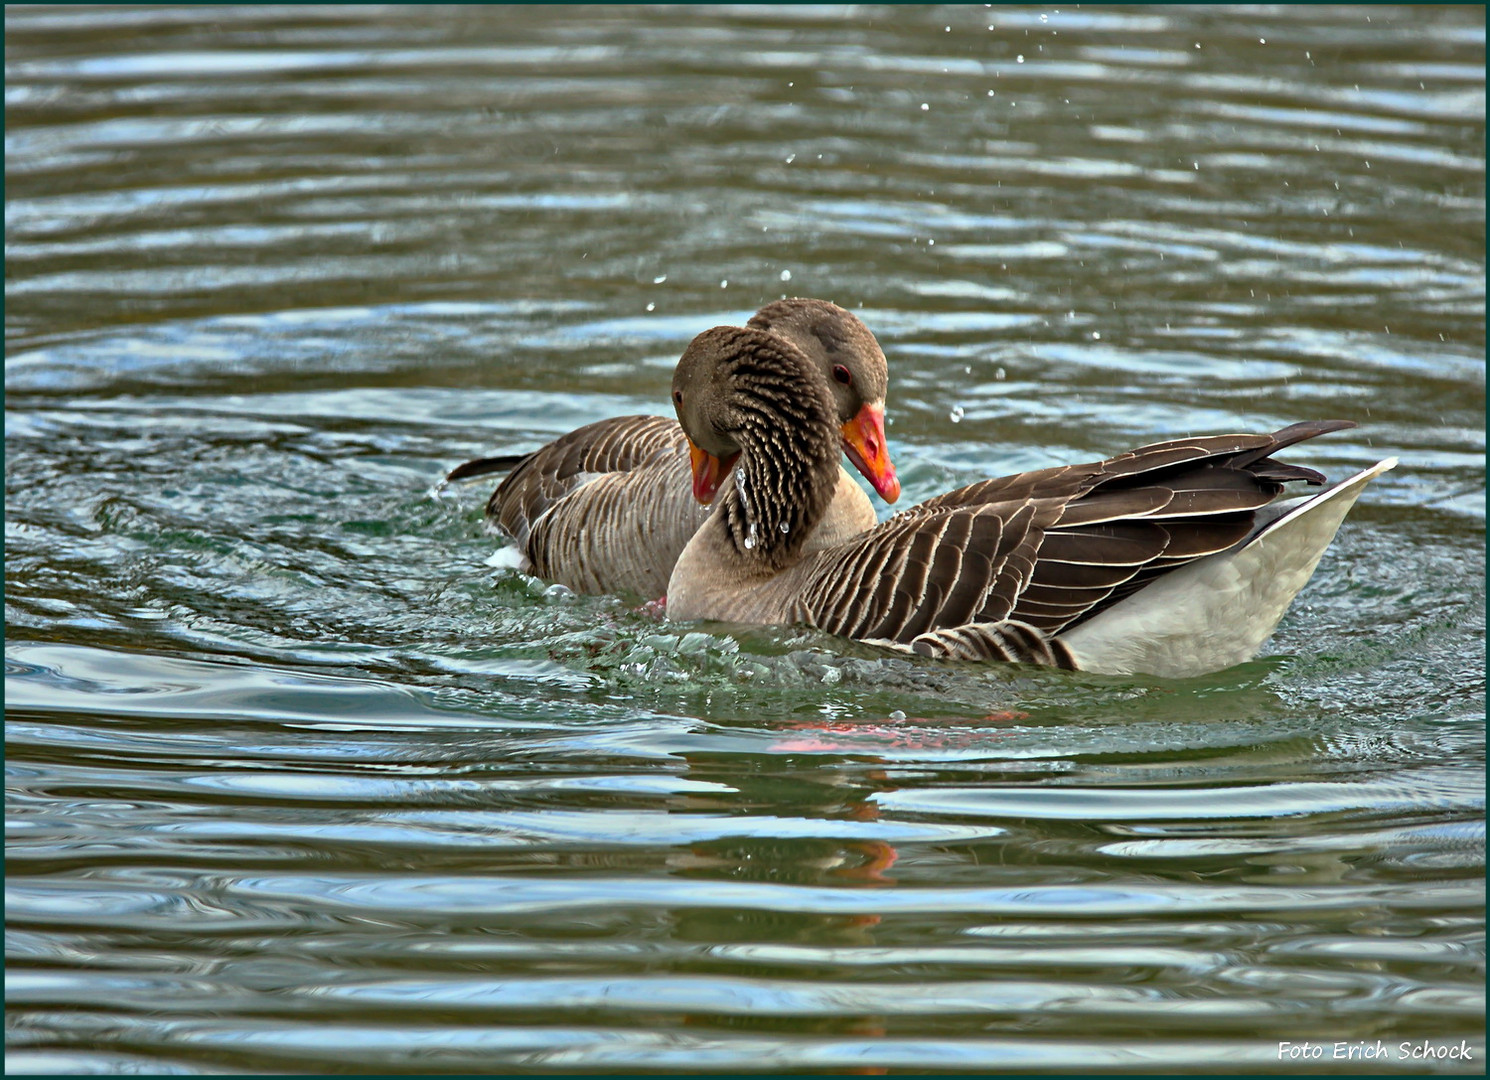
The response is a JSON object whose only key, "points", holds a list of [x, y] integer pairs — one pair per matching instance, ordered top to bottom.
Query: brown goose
{"points": [[606, 509], [1166, 560]]}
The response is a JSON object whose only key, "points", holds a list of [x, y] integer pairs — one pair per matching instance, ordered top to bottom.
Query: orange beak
{"points": [[864, 443], [708, 472]]}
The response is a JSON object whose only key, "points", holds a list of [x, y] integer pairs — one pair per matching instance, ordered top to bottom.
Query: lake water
{"points": [[299, 783]]}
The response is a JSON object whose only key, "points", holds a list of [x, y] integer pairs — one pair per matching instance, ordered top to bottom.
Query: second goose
{"points": [[606, 508]]}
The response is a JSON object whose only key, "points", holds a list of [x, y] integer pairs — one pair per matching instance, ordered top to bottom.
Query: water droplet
{"points": [[1019, 59], [924, 106], [790, 158], [786, 275], [659, 279], [724, 284], [651, 307], [1096, 335], [967, 369], [999, 375], [956, 414], [785, 527], [897, 715]]}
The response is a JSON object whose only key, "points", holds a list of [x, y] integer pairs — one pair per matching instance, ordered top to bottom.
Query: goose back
{"points": [[1005, 579]]}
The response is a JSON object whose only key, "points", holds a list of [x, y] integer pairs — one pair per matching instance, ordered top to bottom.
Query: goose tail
{"points": [[484, 467], [1218, 611]]}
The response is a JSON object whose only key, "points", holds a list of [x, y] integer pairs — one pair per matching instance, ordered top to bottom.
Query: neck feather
{"points": [[788, 465]]}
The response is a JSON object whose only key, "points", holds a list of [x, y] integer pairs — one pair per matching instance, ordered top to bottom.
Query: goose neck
{"points": [[783, 481]]}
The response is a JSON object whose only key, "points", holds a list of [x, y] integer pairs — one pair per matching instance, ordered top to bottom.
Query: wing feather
{"points": [[540, 480]]}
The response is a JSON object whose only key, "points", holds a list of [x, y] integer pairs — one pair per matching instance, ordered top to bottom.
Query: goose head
{"points": [[853, 363], [701, 398], [749, 400]]}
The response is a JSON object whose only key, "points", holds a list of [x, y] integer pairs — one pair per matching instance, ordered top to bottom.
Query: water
{"points": [[300, 783]]}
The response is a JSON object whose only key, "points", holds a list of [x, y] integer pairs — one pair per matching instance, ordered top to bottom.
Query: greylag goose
{"points": [[606, 508], [1166, 560]]}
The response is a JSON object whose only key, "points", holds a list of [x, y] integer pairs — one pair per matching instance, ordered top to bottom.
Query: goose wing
{"points": [[1149, 463], [543, 478], [603, 509], [620, 531], [926, 568], [1000, 568]]}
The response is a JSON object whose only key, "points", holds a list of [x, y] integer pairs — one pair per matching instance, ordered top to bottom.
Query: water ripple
{"points": [[297, 777]]}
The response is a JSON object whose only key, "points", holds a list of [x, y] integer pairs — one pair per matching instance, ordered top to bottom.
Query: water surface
{"points": [[300, 783]]}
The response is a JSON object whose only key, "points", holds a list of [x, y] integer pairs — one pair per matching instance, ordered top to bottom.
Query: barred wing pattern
{"points": [[544, 477], [606, 508], [998, 569], [924, 573]]}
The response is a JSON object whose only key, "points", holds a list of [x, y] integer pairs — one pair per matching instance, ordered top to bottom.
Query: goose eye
{"points": [[842, 374], [678, 397]]}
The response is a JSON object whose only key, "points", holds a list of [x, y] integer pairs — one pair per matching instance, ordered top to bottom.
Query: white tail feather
{"points": [[1219, 610]]}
